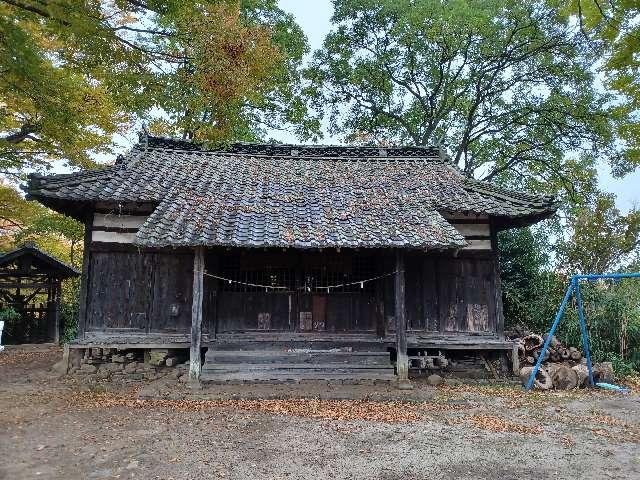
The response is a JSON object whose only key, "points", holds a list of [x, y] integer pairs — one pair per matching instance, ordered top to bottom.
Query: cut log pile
{"points": [[562, 368]]}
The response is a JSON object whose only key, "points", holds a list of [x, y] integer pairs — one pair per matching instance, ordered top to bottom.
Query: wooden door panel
{"points": [[119, 290], [172, 293], [465, 295], [238, 311], [319, 312]]}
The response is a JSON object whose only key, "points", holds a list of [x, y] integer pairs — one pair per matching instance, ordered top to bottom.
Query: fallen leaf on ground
{"points": [[388, 412], [496, 424]]}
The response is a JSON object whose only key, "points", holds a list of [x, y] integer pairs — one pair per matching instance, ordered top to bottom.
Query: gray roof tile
{"points": [[293, 196]]}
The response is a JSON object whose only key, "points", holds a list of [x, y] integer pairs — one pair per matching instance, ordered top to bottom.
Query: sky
{"points": [[314, 17]]}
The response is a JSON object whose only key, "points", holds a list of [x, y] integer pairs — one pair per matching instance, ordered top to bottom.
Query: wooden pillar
{"points": [[83, 301], [196, 315], [50, 321], [498, 326], [59, 329], [381, 329], [402, 360]]}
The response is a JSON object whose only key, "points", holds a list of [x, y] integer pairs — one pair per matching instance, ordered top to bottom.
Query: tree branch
{"points": [[34, 9], [163, 33], [23, 134]]}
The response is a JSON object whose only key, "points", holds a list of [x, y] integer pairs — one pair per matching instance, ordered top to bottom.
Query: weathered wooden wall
{"points": [[476, 229], [135, 290], [139, 291], [151, 292], [448, 294], [308, 302]]}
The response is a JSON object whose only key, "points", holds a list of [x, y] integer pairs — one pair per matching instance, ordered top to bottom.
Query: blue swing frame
{"points": [[574, 289]]}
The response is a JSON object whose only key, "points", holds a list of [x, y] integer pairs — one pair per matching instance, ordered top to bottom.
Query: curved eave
{"points": [[76, 209], [505, 222]]}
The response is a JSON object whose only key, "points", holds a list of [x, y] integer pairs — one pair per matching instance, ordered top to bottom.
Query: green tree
{"points": [[613, 27], [75, 73], [505, 84], [44, 111], [15, 213], [22, 221], [61, 235], [602, 238], [522, 263], [532, 291]]}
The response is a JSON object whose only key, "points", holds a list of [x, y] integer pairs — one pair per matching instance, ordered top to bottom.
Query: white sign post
{"points": [[1, 327]]}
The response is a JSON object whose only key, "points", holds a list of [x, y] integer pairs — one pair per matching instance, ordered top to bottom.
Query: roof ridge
{"points": [[294, 150], [369, 158]]}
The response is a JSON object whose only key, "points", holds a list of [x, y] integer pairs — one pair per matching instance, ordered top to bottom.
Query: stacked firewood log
{"points": [[562, 368]]}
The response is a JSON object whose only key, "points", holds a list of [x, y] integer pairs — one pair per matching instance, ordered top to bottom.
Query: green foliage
{"points": [[613, 30], [236, 71], [75, 73], [505, 84], [55, 104], [15, 212], [22, 221], [602, 237], [522, 260], [532, 294], [69, 309], [612, 314], [8, 315], [10, 318]]}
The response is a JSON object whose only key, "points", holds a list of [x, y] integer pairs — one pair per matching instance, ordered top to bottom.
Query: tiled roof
{"points": [[267, 195], [42, 258]]}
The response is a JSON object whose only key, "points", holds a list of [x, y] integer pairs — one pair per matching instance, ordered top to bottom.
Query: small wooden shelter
{"points": [[261, 249], [30, 283]]}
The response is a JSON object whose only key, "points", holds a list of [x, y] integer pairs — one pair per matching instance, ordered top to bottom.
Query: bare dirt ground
{"points": [[55, 428]]}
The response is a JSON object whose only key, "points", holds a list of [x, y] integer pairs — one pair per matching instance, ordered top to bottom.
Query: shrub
{"points": [[532, 295], [69, 309], [10, 318]]}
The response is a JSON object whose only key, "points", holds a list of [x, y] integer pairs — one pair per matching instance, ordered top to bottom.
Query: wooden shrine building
{"points": [[265, 248], [30, 283]]}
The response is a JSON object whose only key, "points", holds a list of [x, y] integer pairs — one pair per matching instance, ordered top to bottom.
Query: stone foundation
{"points": [[123, 366]]}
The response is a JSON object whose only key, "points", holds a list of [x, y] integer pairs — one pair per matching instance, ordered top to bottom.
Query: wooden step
{"points": [[310, 357], [281, 364], [296, 367], [283, 376]]}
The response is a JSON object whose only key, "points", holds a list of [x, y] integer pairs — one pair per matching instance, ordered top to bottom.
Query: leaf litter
{"points": [[341, 410]]}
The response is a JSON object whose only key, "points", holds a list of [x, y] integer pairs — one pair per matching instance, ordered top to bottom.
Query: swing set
{"points": [[574, 289]]}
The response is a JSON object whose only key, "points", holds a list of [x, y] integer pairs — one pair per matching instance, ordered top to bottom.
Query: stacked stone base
{"points": [[124, 366]]}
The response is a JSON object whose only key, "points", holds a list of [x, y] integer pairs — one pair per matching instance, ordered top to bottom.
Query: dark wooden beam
{"points": [[114, 229], [497, 282], [24, 286], [83, 300], [196, 315], [59, 328], [402, 359]]}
